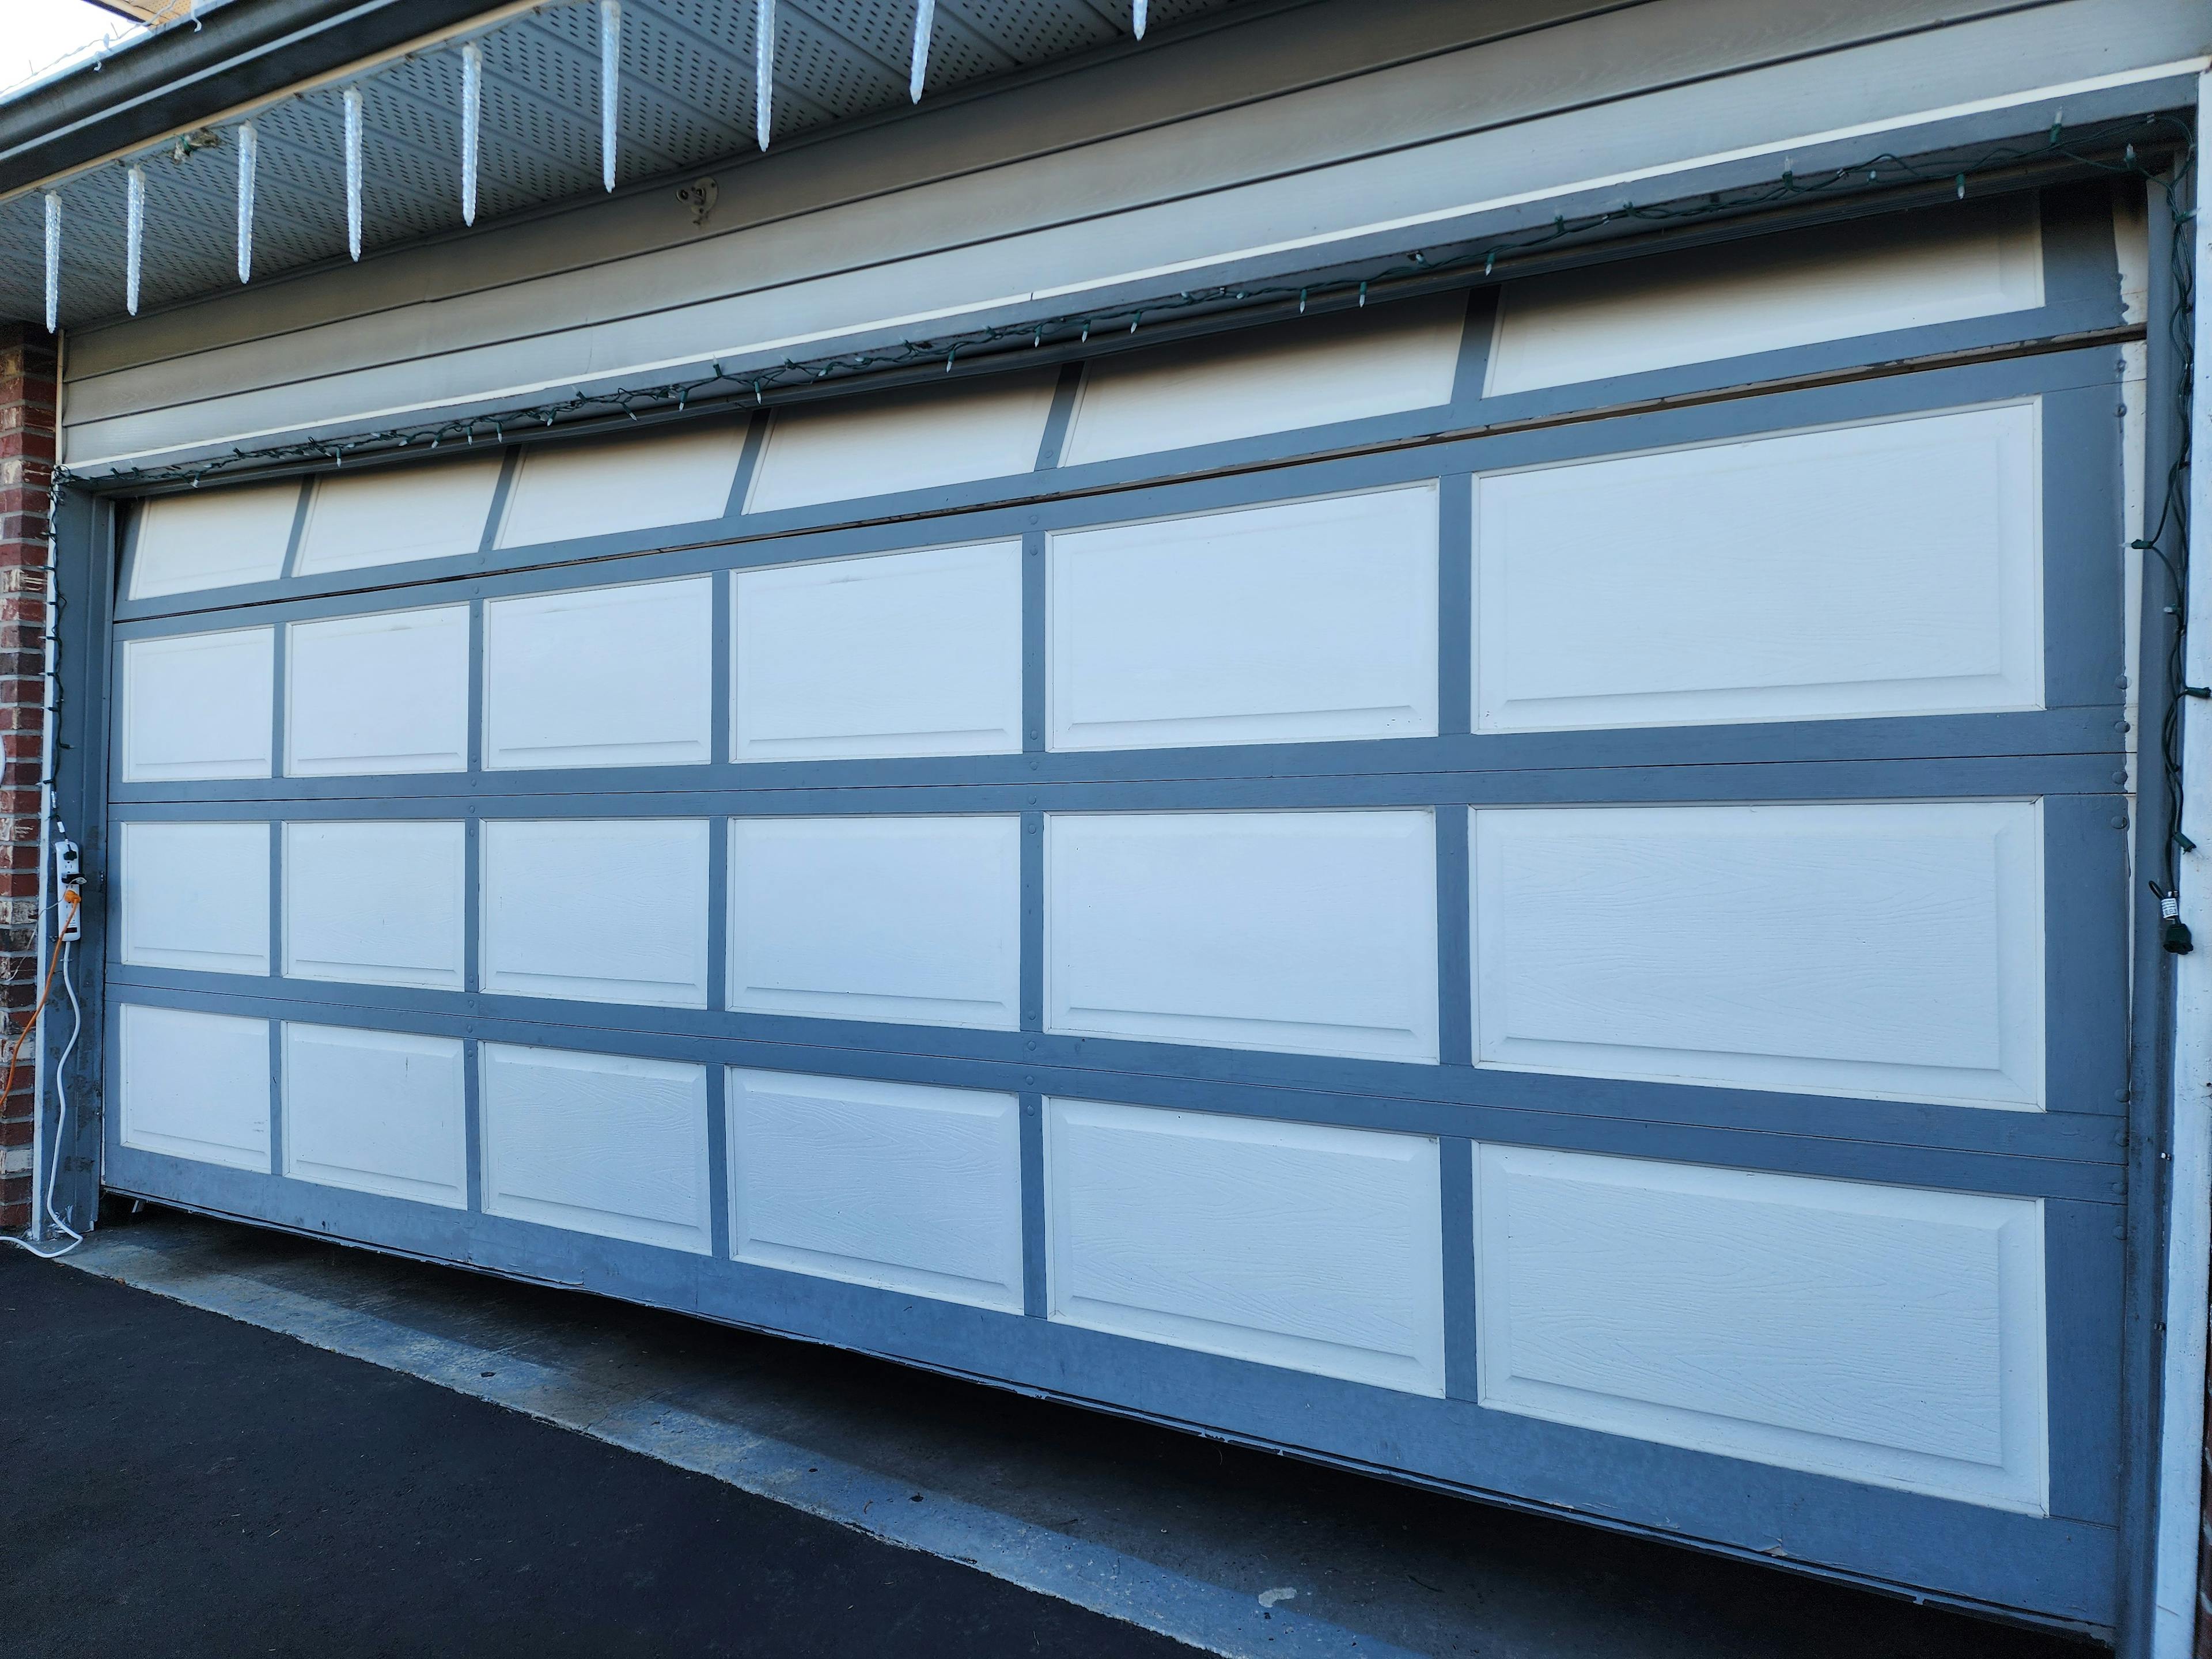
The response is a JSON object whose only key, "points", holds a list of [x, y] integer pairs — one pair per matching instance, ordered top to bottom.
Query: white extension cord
{"points": [[61, 1126]]}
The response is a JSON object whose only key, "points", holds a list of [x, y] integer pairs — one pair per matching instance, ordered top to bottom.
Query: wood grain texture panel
{"points": [[1828, 283], [1378, 360], [883, 446], [671, 477], [358, 520], [212, 538], [1891, 567], [1295, 621], [903, 653], [600, 677], [386, 692], [197, 705], [193, 896], [376, 902], [598, 909], [911, 919], [1312, 932], [1885, 949], [193, 1084], [376, 1112], [606, 1144], [896, 1185], [1300, 1245], [1886, 1335]]}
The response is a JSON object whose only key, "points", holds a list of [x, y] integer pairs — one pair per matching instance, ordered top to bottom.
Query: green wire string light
{"points": [[1073, 329], [2172, 528]]}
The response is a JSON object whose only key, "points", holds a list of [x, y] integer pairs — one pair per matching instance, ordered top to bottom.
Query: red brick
{"points": [[27, 402]]}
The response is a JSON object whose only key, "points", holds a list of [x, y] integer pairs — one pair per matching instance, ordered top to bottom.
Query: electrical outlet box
{"points": [[68, 891]]}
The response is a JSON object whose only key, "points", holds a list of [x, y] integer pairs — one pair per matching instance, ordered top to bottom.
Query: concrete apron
{"points": [[365, 1307], [1232, 1553]]}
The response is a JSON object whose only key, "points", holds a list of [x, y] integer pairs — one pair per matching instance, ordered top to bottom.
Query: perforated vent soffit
{"points": [[686, 101]]}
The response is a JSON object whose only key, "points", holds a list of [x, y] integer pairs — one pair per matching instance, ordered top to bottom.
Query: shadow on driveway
{"points": [[180, 1483]]}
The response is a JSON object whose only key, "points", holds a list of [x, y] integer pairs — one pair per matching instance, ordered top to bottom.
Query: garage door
{"points": [[1523, 888]]}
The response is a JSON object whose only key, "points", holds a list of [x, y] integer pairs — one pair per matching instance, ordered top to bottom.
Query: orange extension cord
{"points": [[44, 990]]}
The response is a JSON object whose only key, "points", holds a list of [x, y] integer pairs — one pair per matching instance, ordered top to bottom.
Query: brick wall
{"points": [[27, 458]]}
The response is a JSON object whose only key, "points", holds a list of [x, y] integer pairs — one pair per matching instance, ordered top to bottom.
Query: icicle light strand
{"points": [[1137, 17], [924, 24], [764, 70], [610, 84], [472, 126], [249, 157], [353, 170], [134, 236], [53, 262]]}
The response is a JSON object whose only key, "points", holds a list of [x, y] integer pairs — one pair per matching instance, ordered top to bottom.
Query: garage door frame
{"points": [[2069, 753]]}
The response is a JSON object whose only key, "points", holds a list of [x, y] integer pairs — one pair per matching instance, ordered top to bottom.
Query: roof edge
{"points": [[177, 78]]}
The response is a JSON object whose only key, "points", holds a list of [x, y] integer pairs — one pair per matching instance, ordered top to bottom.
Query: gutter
{"points": [[178, 78]]}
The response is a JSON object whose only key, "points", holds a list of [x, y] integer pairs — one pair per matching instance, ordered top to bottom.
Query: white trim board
{"points": [[2176, 1538]]}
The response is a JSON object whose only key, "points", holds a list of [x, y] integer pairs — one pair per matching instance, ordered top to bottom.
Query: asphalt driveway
{"points": [[176, 1483]]}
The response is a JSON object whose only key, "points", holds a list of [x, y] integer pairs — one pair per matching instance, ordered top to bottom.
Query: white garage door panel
{"points": [[1866, 277], [1381, 360], [835, 452], [631, 483], [362, 519], [212, 538], [1889, 568], [1289, 623], [909, 654], [601, 676], [387, 692], [197, 705], [195, 896], [376, 902], [600, 909], [914, 919], [1308, 931], [1885, 949], [194, 1086], [376, 1112], [606, 1144], [893, 1184], [1311, 1247], [1886, 1335]]}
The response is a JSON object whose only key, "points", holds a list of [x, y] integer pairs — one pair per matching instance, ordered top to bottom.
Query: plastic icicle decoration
{"points": [[1137, 17], [925, 23], [763, 70], [610, 84], [472, 126], [249, 154], [353, 170], [134, 236], [53, 261]]}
